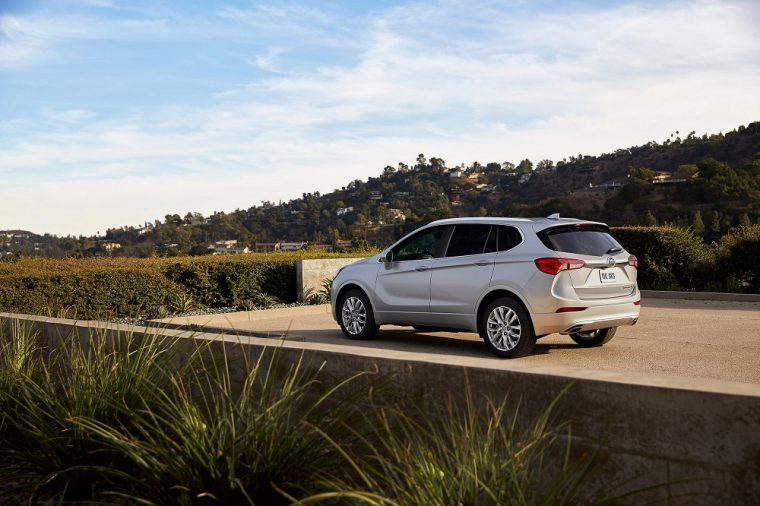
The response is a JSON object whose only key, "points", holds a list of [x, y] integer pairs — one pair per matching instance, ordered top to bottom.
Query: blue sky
{"points": [[113, 112]]}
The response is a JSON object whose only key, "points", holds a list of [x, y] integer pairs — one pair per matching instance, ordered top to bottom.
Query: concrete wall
{"points": [[311, 273], [649, 430]]}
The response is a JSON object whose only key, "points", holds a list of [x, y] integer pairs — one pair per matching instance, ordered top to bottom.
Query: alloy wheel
{"points": [[354, 315], [503, 328]]}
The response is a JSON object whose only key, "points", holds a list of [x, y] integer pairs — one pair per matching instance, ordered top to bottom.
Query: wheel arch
{"points": [[351, 285], [496, 294]]}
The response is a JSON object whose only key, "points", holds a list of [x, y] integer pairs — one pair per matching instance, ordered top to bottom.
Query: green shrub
{"points": [[670, 258], [737, 263], [116, 287], [89, 294], [47, 454], [472, 455]]}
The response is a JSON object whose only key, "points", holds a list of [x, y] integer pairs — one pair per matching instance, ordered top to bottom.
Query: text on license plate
{"points": [[607, 276]]}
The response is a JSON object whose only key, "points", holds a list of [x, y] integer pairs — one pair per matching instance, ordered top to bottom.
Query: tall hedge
{"points": [[670, 258], [737, 260], [226, 283], [116, 287], [92, 294]]}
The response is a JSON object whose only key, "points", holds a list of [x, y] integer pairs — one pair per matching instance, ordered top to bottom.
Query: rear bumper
{"points": [[592, 318]]}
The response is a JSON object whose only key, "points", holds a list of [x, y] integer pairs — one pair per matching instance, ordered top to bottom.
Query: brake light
{"points": [[633, 262], [554, 265], [637, 302]]}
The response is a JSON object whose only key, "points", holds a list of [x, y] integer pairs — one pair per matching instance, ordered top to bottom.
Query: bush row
{"points": [[672, 258], [108, 288]]}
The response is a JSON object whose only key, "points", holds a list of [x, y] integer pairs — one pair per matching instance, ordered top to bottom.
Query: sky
{"points": [[114, 112]]}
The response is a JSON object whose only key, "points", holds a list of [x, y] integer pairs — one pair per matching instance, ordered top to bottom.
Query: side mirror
{"points": [[388, 258]]}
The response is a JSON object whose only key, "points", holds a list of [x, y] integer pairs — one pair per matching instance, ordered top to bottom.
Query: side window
{"points": [[509, 237], [468, 240], [491, 241], [422, 245]]}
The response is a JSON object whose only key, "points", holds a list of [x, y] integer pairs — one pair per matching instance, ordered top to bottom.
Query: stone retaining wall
{"points": [[311, 273]]}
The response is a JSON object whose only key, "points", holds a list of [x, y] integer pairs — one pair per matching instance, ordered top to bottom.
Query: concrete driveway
{"points": [[717, 340]]}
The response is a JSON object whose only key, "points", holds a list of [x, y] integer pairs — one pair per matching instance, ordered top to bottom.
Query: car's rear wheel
{"points": [[356, 318], [506, 328], [593, 338]]}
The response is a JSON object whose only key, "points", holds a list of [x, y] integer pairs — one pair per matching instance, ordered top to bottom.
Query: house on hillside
{"points": [[677, 177], [375, 195], [397, 214], [109, 246], [292, 246], [228, 247], [266, 247]]}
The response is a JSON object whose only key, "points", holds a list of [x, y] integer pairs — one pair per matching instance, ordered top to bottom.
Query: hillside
{"points": [[710, 182]]}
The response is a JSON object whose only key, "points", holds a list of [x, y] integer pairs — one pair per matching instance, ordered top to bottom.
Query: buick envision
{"points": [[512, 280]]}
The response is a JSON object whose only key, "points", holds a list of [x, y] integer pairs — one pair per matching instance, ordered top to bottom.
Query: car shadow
{"points": [[397, 339]]}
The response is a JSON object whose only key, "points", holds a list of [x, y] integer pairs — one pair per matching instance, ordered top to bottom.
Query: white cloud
{"points": [[267, 61]]}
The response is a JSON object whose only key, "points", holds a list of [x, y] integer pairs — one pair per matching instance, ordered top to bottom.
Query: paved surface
{"points": [[684, 338]]}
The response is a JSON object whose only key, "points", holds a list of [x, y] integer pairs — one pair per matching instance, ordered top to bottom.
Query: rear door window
{"points": [[468, 240], [593, 240]]}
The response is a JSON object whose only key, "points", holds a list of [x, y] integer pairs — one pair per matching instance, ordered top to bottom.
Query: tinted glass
{"points": [[509, 237], [468, 240], [582, 240], [491, 242], [422, 245]]}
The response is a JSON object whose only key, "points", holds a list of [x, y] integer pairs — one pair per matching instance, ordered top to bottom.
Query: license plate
{"points": [[607, 276]]}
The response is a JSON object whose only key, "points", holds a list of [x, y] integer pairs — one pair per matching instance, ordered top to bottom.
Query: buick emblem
{"points": [[610, 262]]}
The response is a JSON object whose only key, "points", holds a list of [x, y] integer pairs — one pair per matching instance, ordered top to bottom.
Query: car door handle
{"points": [[482, 263], [422, 268]]}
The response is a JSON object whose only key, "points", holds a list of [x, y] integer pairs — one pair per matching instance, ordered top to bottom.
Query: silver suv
{"points": [[512, 280]]}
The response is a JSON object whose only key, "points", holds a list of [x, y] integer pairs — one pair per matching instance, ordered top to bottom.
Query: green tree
{"points": [[525, 167], [649, 219], [744, 220], [698, 226], [715, 226]]}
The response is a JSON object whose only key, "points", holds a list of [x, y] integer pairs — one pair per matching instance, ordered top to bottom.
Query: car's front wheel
{"points": [[355, 317], [506, 328], [593, 338]]}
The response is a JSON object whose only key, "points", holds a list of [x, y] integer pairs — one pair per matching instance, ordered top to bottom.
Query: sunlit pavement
{"points": [[687, 339]]}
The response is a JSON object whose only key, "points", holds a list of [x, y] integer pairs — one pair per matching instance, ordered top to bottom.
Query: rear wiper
{"points": [[614, 249]]}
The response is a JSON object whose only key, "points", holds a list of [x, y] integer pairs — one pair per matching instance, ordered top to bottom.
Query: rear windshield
{"points": [[592, 240]]}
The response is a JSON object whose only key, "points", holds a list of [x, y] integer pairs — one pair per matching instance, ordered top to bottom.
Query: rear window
{"points": [[592, 240]]}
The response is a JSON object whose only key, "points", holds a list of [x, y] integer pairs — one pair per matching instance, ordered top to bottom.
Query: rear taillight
{"points": [[633, 262], [554, 265], [637, 302]]}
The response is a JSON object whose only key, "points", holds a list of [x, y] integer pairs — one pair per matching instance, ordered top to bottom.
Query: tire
{"points": [[355, 316], [506, 328], [593, 338]]}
